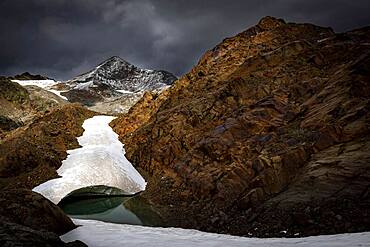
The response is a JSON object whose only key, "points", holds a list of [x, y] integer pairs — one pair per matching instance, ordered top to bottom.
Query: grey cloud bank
{"points": [[63, 38]]}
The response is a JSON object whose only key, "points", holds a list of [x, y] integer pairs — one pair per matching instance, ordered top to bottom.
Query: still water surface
{"points": [[114, 209]]}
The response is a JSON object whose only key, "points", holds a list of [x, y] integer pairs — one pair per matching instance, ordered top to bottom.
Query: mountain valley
{"points": [[266, 136]]}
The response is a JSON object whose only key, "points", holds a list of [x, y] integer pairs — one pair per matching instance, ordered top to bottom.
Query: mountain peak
{"points": [[269, 22], [114, 60], [113, 76]]}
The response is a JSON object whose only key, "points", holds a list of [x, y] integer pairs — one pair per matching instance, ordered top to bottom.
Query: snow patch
{"points": [[40, 83], [84, 85], [124, 91], [58, 93], [100, 161], [97, 233]]}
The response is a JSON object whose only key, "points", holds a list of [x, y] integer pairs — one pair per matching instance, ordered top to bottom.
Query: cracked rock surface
{"points": [[268, 135]]}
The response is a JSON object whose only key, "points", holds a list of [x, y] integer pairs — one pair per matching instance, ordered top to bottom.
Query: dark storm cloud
{"points": [[62, 38]]}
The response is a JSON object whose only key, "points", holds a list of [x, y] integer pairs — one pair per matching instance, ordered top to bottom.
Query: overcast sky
{"points": [[63, 38]]}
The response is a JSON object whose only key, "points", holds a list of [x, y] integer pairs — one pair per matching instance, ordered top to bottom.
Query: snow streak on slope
{"points": [[44, 84], [100, 161], [96, 234]]}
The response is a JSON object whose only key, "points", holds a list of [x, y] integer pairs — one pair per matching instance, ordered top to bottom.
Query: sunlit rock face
{"points": [[269, 122], [100, 161]]}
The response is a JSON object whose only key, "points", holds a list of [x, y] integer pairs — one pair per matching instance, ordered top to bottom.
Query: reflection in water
{"points": [[123, 210]]}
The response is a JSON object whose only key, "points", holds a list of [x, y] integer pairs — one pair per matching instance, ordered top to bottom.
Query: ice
{"points": [[44, 84], [84, 85], [125, 91], [58, 93], [100, 161], [97, 233]]}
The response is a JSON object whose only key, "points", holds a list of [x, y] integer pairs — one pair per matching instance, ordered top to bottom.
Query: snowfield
{"points": [[39, 83], [44, 84], [100, 161], [100, 234]]}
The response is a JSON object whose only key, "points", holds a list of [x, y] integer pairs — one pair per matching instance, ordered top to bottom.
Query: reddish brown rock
{"points": [[246, 123]]}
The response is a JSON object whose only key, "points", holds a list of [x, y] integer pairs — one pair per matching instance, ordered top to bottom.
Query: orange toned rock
{"points": [[244, 124]]}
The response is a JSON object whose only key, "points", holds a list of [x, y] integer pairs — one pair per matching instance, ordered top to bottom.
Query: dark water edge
{"points": [[115, 209]]}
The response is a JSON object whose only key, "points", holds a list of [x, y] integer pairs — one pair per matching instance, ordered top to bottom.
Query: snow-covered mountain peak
{"points": [[112, 63], [118, 74], [115, 78]]}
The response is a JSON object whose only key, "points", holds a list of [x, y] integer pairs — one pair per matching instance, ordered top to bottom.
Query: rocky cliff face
{"points": [[114, 77], [267, 135]]}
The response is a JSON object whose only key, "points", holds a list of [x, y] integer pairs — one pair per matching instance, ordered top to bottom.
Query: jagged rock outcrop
{"points": [[271, 123]]}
